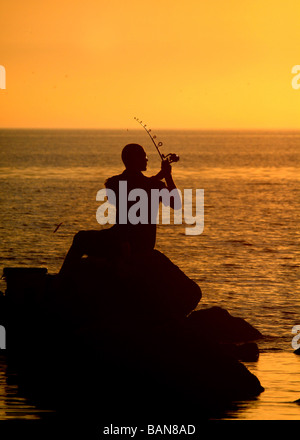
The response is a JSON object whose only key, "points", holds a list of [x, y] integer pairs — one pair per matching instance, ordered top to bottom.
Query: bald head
{"points": [[134, 157]]}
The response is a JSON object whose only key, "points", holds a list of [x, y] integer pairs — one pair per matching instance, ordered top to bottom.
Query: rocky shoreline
{"points": [[121, 335]]}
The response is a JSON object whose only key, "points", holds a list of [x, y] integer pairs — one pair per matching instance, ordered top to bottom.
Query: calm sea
{"points": [[246, 260]]}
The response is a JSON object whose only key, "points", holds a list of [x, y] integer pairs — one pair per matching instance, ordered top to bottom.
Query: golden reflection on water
{"points": [[279, 374]]}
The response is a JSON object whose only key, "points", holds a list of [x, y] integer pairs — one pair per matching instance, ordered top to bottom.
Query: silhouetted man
{"points": [[125, 238]]}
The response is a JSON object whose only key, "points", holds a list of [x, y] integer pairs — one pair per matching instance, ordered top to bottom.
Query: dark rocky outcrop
{"points": [[217, 324], [125, 328], [248, 352]]}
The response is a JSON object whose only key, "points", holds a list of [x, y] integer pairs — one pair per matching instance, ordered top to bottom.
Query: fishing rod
{"points": [[171, 157]]}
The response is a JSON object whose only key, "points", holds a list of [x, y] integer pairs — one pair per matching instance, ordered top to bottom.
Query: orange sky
{"points": [[175, 64]]}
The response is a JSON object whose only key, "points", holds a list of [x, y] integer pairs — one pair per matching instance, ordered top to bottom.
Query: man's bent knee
{"points": [[79, 238]]}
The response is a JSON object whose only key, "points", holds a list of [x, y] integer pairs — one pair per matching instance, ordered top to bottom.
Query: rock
{"points": [[146, 291], [217, 324], [123, 329], [248, 352], [202, 370]]}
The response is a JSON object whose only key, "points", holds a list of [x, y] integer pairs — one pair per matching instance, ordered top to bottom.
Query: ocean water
{"points": [[246, 260]]}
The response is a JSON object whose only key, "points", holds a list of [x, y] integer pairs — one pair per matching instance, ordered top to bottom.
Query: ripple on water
{"points": [[279, 374]]}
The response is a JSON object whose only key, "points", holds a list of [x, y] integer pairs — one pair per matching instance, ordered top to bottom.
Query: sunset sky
{"points": [[175, 64]]}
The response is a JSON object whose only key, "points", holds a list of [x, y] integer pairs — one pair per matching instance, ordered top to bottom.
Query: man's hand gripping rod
{"points": [[171, 157]]}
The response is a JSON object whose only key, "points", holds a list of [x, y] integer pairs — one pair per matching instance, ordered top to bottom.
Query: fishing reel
{"points": [[171, 157]]}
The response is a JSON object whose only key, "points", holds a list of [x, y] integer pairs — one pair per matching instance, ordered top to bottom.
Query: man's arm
{"points": [[166, 173]]}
